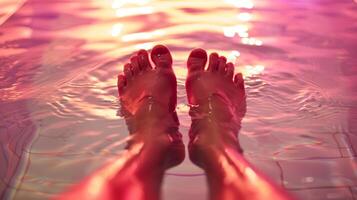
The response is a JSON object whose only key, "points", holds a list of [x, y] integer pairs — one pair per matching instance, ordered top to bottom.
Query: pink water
{"points": [[58, 98]]}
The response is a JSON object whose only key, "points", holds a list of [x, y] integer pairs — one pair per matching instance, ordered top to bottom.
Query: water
{"points": [[58, 108]]}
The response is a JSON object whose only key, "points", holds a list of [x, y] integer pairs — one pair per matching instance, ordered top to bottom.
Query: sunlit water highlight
{"points": [[58, 107]]}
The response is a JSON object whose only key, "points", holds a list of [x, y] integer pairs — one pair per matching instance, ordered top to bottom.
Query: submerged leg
{"points": [[148, 99], [218, 106]]}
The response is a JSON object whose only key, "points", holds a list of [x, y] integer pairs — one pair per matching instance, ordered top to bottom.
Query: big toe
{"points": [[161, 56], [196, 60]]}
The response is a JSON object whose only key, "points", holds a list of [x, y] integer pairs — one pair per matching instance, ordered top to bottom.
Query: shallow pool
{"points": [[58, 98]]}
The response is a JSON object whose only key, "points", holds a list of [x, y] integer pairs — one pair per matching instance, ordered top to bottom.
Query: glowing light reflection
{"points": [[120, 3], [241, 3], [125, 12], [245, 16], [116, 29], [242, 31], [228, 32], [243, 34], [142, 36], [252, 41], [146, 46], [232, 57], [252, 70], [180, 72], [250, 173], [230, 175], [95, 185]]}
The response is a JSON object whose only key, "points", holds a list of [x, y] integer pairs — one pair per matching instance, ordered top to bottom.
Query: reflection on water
{"points": [[58, 107]]}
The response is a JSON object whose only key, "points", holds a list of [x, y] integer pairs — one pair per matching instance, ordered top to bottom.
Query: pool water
{"points": [[58, 99]]}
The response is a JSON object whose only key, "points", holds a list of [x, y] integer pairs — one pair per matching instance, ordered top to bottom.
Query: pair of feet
{"points": [[148, 98]]}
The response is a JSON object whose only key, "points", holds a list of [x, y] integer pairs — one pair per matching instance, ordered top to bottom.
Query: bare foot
{"points": [[148, 100], [217, 105]]}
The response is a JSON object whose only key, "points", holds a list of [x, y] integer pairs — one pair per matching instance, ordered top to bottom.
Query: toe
{"points": [[161, 56], [196, 60], [213, 62], [144, 63], [222, 64], [135, 65], [229, 70], [127, 71], [238, 80], [121, 83]]}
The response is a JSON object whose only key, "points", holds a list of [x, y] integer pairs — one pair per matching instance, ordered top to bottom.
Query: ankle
{"points": [[210, 133], [204, 150]]}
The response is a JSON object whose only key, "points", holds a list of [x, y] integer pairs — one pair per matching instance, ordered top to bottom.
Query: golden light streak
{"points": [[120, 3], [241, 3], [125, 12], [245, 16], [116, 29], [241, 30], [142, 36], [252, 41], [146, 46], [232, 57], [252, 70], [180, 72], [230, 171]]}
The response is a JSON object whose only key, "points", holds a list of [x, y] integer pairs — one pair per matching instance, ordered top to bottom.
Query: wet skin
{"points": [[142, 87], [148, 97], [218, 99], [148, 102], [218, 105]]}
